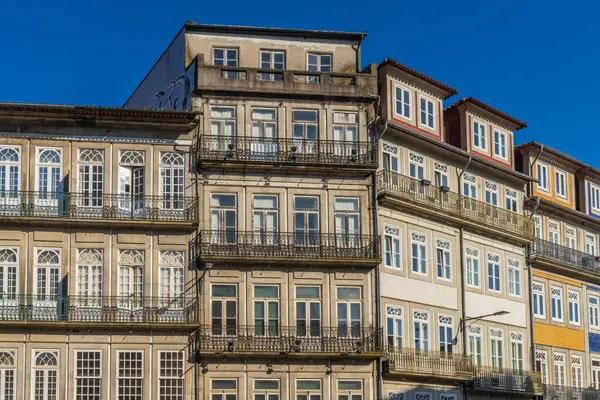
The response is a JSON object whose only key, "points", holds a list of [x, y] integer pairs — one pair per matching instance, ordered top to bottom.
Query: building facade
{"points": [[565, 270], [97, 298]]}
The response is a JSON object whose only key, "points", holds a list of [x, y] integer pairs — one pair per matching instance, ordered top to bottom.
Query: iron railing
{"points": [[285, 151], [454, 204], [97, 205], [286, 246], [565, 255], [98, 309], [273, 338], [435, 363], [507, 380], [555, 392]]}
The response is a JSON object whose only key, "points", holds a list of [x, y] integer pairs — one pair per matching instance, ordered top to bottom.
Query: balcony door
{"points": [[223, 131], [305, 131], [345, 136], [264, 145], [10, 180], [90, 180], [48, 182], [172, 182], [131, 184], [223, 219], [264, 220], [306, 221], [347, 222], [131, 279], [89, 280], [46, 284], [9, 299], [224, 310], [266, 311], [308, 311], [349, 312], [8, 380], [45, 384]]}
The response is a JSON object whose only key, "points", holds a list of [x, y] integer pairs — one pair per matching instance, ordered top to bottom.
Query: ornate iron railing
{"points": [[285, 151], [432, 197], [97, 205], [286, 246], [565, 255], [98, 309], [272, 338], [436, 363], [507, 380], [555, 392]]}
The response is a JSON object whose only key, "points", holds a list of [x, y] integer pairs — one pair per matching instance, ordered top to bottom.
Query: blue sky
{"points": [[536, 60]]}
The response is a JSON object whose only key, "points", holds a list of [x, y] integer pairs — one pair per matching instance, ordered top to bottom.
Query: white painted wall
{"points": [[398, 287], [479, 304]]}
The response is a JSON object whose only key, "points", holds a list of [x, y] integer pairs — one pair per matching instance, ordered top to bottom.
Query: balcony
{"points": [[278, 83], [300, 153], [423, 198], [92, 208], [287, 248], [552, 253], [174, 313], [261, 341], [406, 362], [510, 381], [554, 392]]}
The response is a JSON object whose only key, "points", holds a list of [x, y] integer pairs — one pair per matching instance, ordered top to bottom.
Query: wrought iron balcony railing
{"points": [[253, 150], [454, 205], [98, 206], [287, 247], [565, 255], [99, 309], [288, 340], [406, 361], [507, 380], [555, 392]]}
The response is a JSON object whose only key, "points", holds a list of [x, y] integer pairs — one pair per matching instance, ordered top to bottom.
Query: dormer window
{"points": [[403, 102], [427, 112], [479, 136], [500, 140], [542, 176], [561, 185], [595, 198]]}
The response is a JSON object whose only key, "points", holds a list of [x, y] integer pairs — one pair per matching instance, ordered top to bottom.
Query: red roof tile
{"points": [[388, 61], [489, 108]]}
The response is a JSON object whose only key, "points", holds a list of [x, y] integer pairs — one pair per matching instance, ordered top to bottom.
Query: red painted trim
{"points": [[403, 123]]}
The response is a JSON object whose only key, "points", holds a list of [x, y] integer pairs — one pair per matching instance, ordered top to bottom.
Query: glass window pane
{"points": [[304, 115], [222, 200], [306, 203], [346, 204], [224, 290], [266, 291], [308, 292], [348, 293], [224, 384], [270, 384], [307, 385], [349, 385]]}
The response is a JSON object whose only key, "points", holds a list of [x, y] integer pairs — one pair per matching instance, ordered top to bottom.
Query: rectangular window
{"points": [[224, 57], [272, 59], [319, 62], [403, 102], [427, 112], [222, 128], [305, 131], [345, 134], [479, 136], [500, 144], [263, 145], [390, 158], [416, 166], [441, 175], [542, 176], [561, 183], [470, 186], [491, 193], [595, 197], [511, 200], [265, 213], [223, 218], [306, 221], [347, 222], [538, 227], [553, 232], [571, 237], [590, 244], [392, 246], [419, 253], [443, 259], [472, 267], [494, 272], [514, 278], [539, 300], [557, 303], [594, 307], [224, 309], [266, 310], [308, 310], [349, 311], [574, 313], [395, 326], [421, 330], [446, 334], [516, 346], [475, 347], [497, 348], [541, 365], [577, 371], [560, 372], [596, 374], [88, 375], [130, 375], [170, 376], [223, 389], [266, 389], [308, 389], [349, 390]]}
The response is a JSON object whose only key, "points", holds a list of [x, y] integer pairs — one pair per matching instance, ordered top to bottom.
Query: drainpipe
{"points": [[463, 326], [532, 355]]}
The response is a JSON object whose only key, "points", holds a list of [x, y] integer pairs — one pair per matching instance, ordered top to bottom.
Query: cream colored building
{"points": [[286, 161], [97, 297]]}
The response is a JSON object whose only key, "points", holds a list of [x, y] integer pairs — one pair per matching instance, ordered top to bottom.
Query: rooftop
{"points": [[388, 61], [490, 109]]}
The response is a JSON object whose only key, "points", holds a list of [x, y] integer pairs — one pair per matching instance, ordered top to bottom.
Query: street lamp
{"points": [[462, 325]]}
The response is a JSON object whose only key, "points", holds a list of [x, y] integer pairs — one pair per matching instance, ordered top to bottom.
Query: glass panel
{"points": [[304, 115], [222, 200], [306, 203], [224, 290], [266, 291], [308, 292], [348, 293], [224, 384], [270, 384], [307, 385], [349, 385]]}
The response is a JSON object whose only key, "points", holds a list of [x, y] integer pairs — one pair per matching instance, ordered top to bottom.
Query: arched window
{"points": [[10, 161], [49, 175], [91, 177], [131, 181], [172, 181], [9, 264], [172, 272], [47, 275], [89, 276], [131, 278], [7, 374], [45, 384]]}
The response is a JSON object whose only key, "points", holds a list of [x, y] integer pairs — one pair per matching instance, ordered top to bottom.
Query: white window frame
{"points": [[225, 49], [404, 90], [433, 115], [498, 134], [483, 138], [390, 153], [419, 162], [10, 167], [441, 170], [469, 182], [543, 184], [560, 184], [493, 189], [594, 198], [512, 203], [539, 233], [571, 237], [392, 241], [421, 244], [590, 244], [443, 247], [8, 266], [473, 267], [493, 275], [514, 277], [539, 298], [556, 303], [574, 307], [594, 311], [395, 315], [422, 318], [445, 322], [474, 337], [517, 342], [497, 345], [541, 362], [595, 364], [560, 369], [46, 372], [172, 375], [87, 376], [129, 377], [577, 379], [223, 393], [268, 393], [309, 393], [350, 394]]}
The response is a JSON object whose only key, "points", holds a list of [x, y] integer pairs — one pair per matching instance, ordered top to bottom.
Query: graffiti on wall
{"points": [[177, 95]]}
